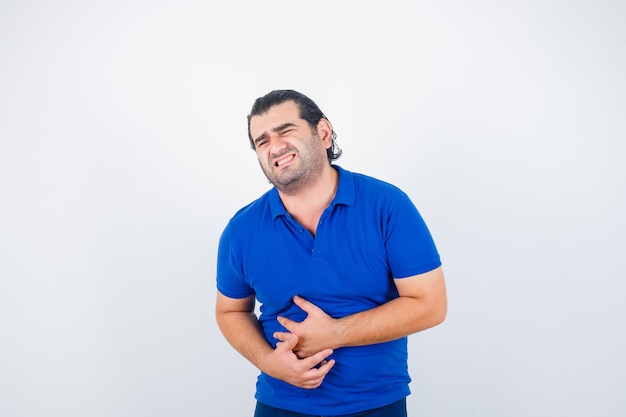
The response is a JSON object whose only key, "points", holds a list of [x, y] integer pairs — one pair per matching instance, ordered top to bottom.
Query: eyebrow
{"points": [[276, 129]]}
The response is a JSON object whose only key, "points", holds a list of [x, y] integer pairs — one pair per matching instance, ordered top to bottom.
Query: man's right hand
{"points": [[306, 373]]}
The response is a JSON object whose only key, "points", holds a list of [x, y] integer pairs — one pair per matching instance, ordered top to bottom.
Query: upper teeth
{"points": [[282, 161]]}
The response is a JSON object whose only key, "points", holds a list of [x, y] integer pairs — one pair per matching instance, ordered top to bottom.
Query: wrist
{"points": [[339, 333]]}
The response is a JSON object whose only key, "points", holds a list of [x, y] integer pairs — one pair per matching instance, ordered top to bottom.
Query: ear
{"points": [[325, 131]]}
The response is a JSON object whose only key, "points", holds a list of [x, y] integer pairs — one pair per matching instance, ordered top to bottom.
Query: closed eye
{"points": [[285, 128], [282, 130], [260, 141]]}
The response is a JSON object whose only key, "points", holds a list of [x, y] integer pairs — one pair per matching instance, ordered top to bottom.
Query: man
{"points": [[342, 264]]}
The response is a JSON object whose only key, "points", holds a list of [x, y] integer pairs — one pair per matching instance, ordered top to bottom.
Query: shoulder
{"points": [[370, 183], [371, 187], [251, 213]]}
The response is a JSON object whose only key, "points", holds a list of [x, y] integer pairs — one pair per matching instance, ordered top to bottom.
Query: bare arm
{"points": [[422, 304], [241, 328]]}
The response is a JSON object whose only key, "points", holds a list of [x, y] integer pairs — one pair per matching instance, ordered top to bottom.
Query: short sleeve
{"points": [[409, 244], [230, 278]]}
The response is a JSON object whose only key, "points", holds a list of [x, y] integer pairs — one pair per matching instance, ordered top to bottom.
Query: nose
{"points": [[277, 144]]}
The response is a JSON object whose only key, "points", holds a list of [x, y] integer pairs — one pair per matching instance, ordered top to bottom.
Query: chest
{"points": [[343, 268]]}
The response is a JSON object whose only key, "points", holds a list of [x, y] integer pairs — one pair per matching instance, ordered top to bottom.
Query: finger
{"points": [[305, 305], [287, 323], [283, 336], [288, 341], [299, 354], [317, 358], [326, 366], [317, 375], [314, 377]]}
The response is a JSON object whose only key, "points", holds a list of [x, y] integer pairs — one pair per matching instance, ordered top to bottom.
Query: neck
{"points": [[307, 204]]}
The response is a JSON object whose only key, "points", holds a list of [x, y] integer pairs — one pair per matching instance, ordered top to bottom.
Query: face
{"points": [[290, 154]]}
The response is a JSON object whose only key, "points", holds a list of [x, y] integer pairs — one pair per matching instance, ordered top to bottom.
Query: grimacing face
{"points": [[290, 154]]}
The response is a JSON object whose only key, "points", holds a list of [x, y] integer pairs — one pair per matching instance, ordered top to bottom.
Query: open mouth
{"points": [[284, 160]]}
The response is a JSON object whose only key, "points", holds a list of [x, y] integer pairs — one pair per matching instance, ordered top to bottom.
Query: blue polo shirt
{"points": [[370, 234]]}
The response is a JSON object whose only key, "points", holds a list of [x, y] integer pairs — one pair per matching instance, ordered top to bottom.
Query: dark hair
{"points": [[308, 111]]}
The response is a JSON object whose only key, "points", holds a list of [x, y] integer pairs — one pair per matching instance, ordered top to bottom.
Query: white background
{"points": [[123, 153]]}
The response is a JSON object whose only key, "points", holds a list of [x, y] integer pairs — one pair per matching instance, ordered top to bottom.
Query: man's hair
{"points": [[308, 111]]}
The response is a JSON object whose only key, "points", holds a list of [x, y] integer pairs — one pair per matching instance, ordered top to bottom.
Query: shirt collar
{"points": [[345, 188], [344, 194]]}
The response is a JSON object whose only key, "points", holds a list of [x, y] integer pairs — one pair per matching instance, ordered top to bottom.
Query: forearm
{"points": [[421, 304], [397, 318], [243, 331]]}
